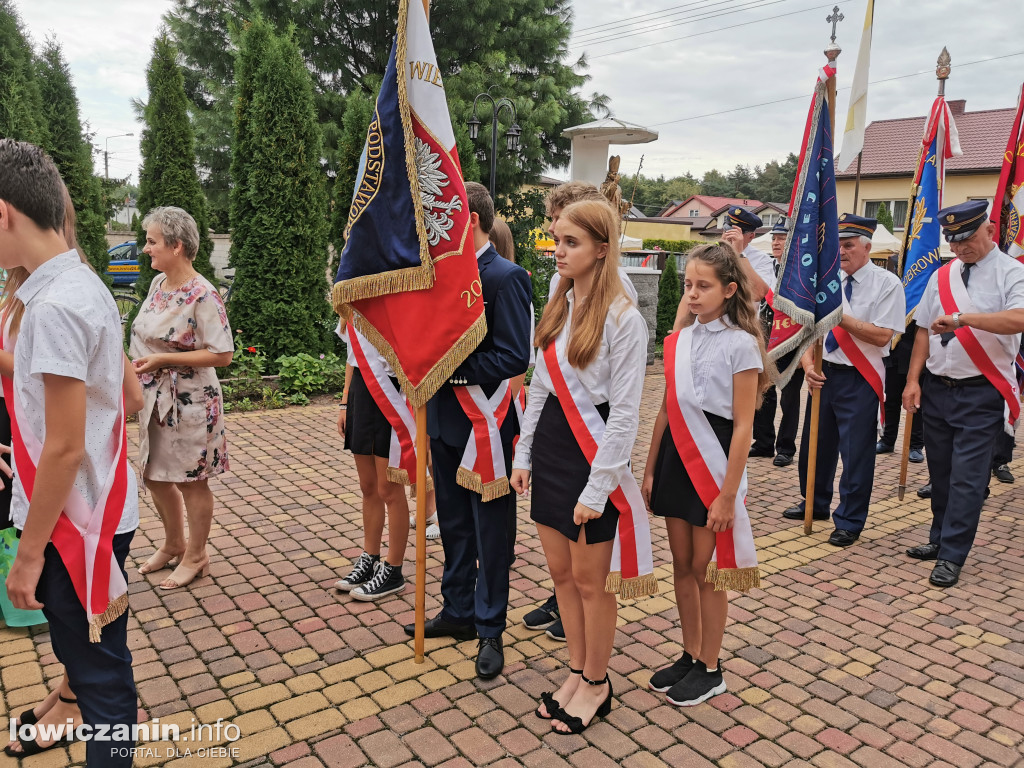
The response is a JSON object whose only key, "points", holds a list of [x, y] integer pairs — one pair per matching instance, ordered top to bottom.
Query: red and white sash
{"points": [[984, 349], [866, 358], [519, 401], [393, 404], [482, 468], [83, 535], [734, 565], [632, 569]]}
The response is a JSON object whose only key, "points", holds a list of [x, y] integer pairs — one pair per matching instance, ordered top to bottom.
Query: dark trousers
{"points": [[895, 383], [847, 427], [961, 427], [765, 439], [1004, 450], [5, 492], [478, 539], [100, 674]]}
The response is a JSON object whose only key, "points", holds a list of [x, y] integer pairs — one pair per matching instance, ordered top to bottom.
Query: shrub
{"points": [[673, 246], [669, 293], [304, 374]]}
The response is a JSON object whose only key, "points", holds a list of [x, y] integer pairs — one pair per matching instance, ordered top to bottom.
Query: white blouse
{"points": [[368, 349], [720, 350], [615, 377]]}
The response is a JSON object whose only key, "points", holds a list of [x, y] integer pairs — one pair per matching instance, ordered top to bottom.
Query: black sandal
{"points": [[550, 704], [576, 724], [29, 748]]}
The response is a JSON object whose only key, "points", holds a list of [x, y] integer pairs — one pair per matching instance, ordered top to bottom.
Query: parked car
{"points": [[124, 263]]}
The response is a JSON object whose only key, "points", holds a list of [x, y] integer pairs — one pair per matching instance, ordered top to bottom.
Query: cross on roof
{"points": [[834, 19]]}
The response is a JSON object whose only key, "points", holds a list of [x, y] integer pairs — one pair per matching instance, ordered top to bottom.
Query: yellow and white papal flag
{"points": [[856, 118]]}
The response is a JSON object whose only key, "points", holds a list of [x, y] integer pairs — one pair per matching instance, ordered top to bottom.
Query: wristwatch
{"points": [[956, 319]]}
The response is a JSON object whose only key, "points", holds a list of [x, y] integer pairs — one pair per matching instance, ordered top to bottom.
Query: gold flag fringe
{"points": [[382, 284], [400, 476], [472, 481], [735, 579], [638, 586], [116, 607]]}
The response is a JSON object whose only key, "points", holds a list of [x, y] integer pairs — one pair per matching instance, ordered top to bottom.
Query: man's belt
{"points": [[827, 365], [971, 381]]}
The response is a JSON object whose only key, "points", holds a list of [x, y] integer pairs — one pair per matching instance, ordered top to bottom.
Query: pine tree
{"points": [[21, 105], [71, 151], [168, 175], [279, 200], [884, 217], [669, 293]]}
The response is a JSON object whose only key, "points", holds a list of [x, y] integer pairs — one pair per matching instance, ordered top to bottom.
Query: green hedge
{"points": [[673, 246]]}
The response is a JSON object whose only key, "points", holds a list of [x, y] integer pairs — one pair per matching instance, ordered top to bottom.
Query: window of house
{"points": [[897, 209], [695, 212]]}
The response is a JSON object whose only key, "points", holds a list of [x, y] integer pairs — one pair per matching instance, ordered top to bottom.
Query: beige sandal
{"points": [[160, 559]]}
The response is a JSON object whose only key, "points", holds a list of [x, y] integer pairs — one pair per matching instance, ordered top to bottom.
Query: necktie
{"points": [[948, 337], [831, 345]]}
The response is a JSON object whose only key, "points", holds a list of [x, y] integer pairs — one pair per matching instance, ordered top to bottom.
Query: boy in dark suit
{"points": [[479, 537]]}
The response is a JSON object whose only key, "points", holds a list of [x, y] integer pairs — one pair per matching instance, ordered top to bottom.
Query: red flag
{"points": [[1008, 207], [408, 276]]}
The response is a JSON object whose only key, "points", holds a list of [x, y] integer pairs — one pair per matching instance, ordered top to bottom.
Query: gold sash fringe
{"points": [[400, 476], [472, 481], [735, 579], [639, 586], [117, 606]]}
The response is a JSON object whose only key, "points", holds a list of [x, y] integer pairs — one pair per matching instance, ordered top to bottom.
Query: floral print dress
{"points": [[181, 435]]}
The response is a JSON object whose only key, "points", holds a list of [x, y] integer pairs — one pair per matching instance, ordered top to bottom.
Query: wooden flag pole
{"points": [[831, 53], [905, 458], [421, 508], [421, 529]]}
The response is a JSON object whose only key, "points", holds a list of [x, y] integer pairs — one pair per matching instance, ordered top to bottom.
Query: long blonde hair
{"points": [[601, 222], [11, 307], [739, 308]]}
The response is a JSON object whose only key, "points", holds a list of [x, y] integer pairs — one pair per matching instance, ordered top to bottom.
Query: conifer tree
{"points": [[21, 106], [71, 151], [168, 174], [279, 200], [884, 217], [669, 293]]}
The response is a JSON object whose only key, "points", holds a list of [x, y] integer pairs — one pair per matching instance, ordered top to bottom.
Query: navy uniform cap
{"points": [[745, 220], [961, 221], [851, 225], [780, 228]]}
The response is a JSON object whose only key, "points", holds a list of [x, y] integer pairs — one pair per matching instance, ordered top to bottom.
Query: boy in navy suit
{"points": [[479, 537]]}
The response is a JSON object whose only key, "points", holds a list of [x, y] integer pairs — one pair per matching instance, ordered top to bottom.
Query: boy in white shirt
{"points": [[68, 427]]}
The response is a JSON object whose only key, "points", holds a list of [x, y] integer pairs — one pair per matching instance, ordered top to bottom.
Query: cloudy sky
{"points": [[693, 70]]}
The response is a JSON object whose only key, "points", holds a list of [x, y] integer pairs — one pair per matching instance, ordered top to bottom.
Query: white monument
{"points": [[590, 144]]}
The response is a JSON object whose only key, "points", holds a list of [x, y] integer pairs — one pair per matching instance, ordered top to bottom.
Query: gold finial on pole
{"points": [[942, 70]]}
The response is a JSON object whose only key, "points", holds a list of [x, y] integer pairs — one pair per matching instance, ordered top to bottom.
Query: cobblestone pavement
{"points": [[842, 658]]}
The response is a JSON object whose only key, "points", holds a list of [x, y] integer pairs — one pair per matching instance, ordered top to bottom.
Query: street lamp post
{"points": [[511, 135], [106, 153]]}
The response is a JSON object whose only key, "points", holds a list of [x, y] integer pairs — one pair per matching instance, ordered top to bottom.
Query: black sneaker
{"points": [[362, 572], [387, 580], [543, 616], [555, 631], [665, 678], [699, 685]]}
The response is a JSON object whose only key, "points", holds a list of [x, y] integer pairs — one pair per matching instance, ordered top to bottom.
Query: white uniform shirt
{"points": [[763, 264], [626, 283], [996, 284], [878, 299], [71, 327], [367, 347], [720, 350], [615, 377]]}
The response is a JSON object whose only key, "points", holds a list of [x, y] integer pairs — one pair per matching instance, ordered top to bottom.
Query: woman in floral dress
{"points": [[181, 335]]}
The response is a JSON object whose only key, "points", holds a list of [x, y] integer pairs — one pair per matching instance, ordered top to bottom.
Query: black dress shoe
{"points": [[883, 447], [761, 453], [916, 456], [783, 460], [1003, 474], [925, 491], [796, 512], [840, 538], [924, 552], [945, 574], [439, 627], [491, 658]]}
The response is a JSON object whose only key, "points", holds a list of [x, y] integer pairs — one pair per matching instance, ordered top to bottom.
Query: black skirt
{"points": [[367, 431], [560, 473], [673, 494]]}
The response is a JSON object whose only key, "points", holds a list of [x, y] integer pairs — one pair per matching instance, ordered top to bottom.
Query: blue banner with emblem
{"points": [[921, 257], [808, 302]]}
